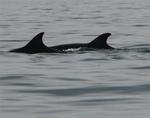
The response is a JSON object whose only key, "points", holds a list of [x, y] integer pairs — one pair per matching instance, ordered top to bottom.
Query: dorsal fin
{"points": [[36, 42], [101, 42], [36, 45]]}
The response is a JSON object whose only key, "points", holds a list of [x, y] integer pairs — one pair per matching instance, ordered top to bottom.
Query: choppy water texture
{"points": [[86, 84]]}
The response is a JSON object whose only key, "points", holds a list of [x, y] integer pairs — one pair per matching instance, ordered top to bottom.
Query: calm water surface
{"points": [[86, 84]]}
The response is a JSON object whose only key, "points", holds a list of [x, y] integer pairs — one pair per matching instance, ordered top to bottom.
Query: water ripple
{"points": [[141, 25], [141, 67], [11, 77], [91, 90], [100, 101]]}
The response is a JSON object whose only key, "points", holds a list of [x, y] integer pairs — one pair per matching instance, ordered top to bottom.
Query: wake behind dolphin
{"points": [[36, 45]]}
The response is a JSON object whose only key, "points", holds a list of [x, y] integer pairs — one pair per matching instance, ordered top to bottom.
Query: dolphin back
{"points": [[101, 42], [36, 45]]}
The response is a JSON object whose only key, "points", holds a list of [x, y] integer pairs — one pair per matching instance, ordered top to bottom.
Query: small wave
{"points": [[130, 8], [47, 9], [79, 18], [102, 23], [5, 25], [141, 25], [13, 40], [138, 46], [142, 48], [141, 67], [18, 76], [11, 77], [70, 79], [23, 84], [132, 89], [98, 101]]}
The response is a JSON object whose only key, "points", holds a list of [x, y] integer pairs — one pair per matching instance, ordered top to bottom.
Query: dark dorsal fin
{"points": [[36, 42], [101, 42], [36, 45]]}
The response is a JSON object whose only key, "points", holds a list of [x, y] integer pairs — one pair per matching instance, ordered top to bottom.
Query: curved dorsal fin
{"points": [[101, 41], [36, 42], [36, 45]]}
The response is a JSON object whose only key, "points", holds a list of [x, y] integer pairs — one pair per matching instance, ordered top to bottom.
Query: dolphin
{"points": [[98, 43], [36, 45]]}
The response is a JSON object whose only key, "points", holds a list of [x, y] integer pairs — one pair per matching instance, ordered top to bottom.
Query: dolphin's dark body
{"points": [[98, 43], [36, 45]]}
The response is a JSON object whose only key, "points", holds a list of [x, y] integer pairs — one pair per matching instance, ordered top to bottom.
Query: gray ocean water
{"points": [[86, 84]]}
